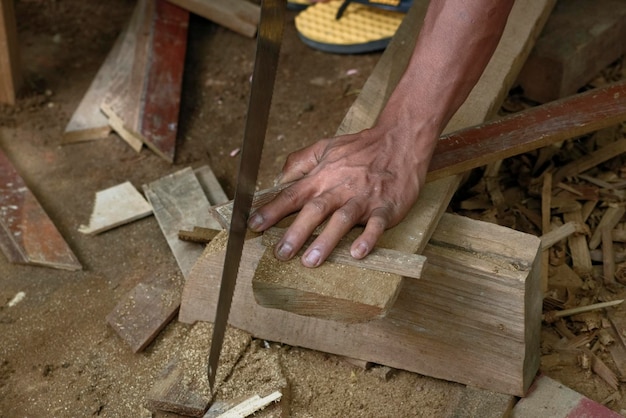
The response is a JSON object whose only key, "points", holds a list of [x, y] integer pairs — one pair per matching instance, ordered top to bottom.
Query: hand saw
{"points": [[269, 38]]}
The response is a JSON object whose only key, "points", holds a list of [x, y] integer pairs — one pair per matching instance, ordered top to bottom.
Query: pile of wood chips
{"points": [[573, 195]]}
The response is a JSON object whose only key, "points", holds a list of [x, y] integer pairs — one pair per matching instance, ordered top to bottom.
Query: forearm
{"points": [[455, 44]]}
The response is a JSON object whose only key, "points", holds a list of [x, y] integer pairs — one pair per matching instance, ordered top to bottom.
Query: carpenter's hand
{"points": [[371, 178]]}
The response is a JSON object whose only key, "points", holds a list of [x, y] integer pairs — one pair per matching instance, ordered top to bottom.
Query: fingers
{"points": [[288, 201], [340, 223], [376, 225]]}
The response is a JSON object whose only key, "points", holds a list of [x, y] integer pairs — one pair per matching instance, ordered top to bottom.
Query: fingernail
{"points": [[255, 221], [284, 251], [360, 251], [312, 258]]}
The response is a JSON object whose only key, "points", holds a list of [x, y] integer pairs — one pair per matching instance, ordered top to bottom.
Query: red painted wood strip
{"points": [[159, 123], [528, 130], [27, 235]]}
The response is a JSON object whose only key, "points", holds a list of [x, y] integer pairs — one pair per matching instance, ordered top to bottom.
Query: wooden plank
{"points": [[237, 15], [580, 39], [10, 75], [164, 79], [125, 90], [143, 99], [88, 122], [528, 130], [179, 203], [115, 206], [27, 234], [380, 259], [144, 311], [473, 317]]}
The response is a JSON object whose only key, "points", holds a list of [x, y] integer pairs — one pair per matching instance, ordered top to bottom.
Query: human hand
{"points": [[371, 178]]}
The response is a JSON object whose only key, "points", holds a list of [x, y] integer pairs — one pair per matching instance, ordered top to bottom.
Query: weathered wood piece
{"points": [[237, 15], [580, 39], [10, 75], [143, 100], [88, 122], [528, 130], [591, 160], [179, 203], [115, 206], [610, 218], [27, 234], [199, 234], [559, 234], [581, 259], [153, 303], [144, 311], [473, 317], [183, 387], [549, 398]]}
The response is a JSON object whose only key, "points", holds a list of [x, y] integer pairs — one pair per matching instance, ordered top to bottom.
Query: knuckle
{"points": [[290, 195], [318, 205], [345, 216]]}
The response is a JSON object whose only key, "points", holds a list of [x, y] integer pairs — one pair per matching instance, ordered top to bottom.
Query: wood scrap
{"points": [[237, 15], [581, 38], [10, 74], [143, 100], [88, 122], [589, 161], [179, 203], [115, 206], [610, 218], [27, 234], [199, 234], [558, 234], [578, 246], [144, 311], [141, 314], [552, 316], [467, 323], [547, 397], [247, 407]]}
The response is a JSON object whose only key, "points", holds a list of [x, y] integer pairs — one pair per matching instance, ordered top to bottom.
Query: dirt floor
{"points": [[58, 356]]}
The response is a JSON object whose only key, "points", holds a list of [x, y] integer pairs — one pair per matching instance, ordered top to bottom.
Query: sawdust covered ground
{"points": [[58, 357]]}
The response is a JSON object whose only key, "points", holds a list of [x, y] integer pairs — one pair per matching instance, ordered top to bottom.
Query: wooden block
{"points": [[237, 15], [581, 38], [10, 76], [143, 99], [179, 203], [115, 206], [27, 234], [199, 234], [359, 294], [146, 310], [474, 316], [183, 386], [549, 398]]}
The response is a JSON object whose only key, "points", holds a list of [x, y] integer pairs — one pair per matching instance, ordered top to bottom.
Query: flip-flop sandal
{"points": [[298, 4], [351, 26]]}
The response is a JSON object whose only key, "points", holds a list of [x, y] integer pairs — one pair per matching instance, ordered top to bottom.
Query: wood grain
{"points": [[237, 15]]}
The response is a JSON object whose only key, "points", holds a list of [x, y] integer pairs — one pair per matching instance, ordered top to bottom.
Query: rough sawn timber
{"points": [[474, 316]]}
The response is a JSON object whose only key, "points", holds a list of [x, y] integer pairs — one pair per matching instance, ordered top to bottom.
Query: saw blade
{"points": [[269, 38]]}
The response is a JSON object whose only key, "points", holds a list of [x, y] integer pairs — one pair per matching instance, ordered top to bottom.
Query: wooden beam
{"points": [[237, 15], [581, 38], [10, 75], [528, 130], [27, 234], [474, 316]]}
